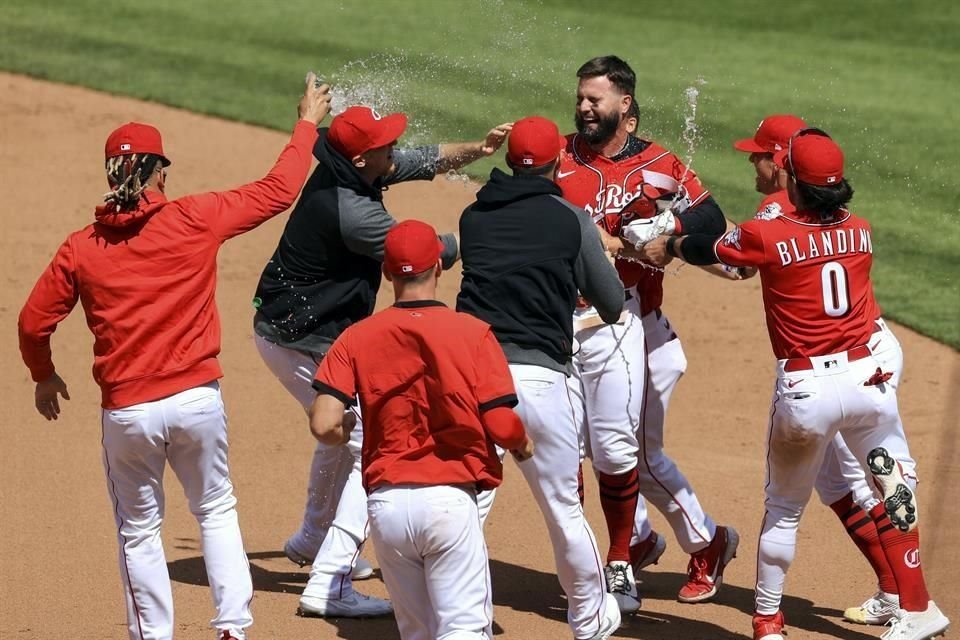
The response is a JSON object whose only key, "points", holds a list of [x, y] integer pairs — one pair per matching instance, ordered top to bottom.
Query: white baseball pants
{"points": [[608, 370], [809, 408], [553, 417], [188, 430], [841, 473], [661, 481], [335, 517], [434, 561]]}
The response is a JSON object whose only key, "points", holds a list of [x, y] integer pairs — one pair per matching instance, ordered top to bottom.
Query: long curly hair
{"points": [[128, 176]]}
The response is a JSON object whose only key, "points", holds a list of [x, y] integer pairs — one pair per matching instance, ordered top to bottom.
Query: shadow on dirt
{"points": [[538, 593]]}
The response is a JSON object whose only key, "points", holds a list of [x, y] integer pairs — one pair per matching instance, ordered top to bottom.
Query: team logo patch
{"points": [[769, 212], [732, 239], [912, 558]]}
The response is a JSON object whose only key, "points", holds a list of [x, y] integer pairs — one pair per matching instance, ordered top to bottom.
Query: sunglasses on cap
{"points": [[809, 131]]}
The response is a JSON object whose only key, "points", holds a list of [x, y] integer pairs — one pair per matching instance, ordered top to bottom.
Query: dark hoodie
{"points": [[526, 252], [325, 272], [147, 278]]}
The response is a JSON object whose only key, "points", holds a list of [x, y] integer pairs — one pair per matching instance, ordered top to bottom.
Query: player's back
{"points": [[816, 282], [419, 370]]}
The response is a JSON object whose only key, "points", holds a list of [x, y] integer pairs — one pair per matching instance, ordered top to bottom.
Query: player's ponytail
{"points": [[128, 176], [825, 200]]}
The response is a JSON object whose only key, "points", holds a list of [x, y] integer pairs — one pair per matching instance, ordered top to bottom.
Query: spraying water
{"points": [[691, 138]]}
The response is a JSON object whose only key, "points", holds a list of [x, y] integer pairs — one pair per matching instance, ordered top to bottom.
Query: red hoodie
{"points": [[146, 279]]}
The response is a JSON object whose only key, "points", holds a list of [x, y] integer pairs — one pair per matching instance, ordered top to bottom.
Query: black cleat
{"points": [[898, 500]]}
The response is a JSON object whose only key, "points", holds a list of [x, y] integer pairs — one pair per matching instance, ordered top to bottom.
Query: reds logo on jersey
{"points": [[615, 192], [615, 206], [769, 212], [732, 239]]}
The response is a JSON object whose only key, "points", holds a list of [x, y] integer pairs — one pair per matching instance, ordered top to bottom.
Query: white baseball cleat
{"points": [[898, 500], [362, 570], [622, 585], [356, 605], [878, 609], [610, 621], [917, 625]]}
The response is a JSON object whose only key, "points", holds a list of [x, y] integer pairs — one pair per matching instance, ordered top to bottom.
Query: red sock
{"points": [[580, 483], [618, 498], [863, 532], [903, 554]]}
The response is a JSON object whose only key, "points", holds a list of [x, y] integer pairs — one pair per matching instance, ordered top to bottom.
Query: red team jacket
{"points": [[616, 192], [815, 276], [147, 278], [422, 389]]}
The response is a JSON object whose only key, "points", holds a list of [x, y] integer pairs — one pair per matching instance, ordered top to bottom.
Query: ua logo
{"points": [[912, 558]]}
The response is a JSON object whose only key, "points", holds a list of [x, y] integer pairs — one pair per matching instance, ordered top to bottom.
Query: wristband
{"points": [[672, 240]]}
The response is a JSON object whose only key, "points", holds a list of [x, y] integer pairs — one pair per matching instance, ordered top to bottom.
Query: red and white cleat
{"points": [[705, 571], [768, 627]]}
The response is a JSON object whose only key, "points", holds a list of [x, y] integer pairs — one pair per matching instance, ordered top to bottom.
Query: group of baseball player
{"points": [[558, 351]]}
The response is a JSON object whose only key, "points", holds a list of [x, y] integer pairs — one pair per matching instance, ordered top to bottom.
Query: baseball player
{"points": [[145, 274], [323, 277], [525, 286], [628, 369], [835, 371], [436, 395], [841, 484]]}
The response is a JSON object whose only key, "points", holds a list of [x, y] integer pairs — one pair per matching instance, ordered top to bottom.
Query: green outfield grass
{"points": [[880, 76]]}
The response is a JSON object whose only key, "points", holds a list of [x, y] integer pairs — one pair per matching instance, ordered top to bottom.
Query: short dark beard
{"points": [[606, 128]]}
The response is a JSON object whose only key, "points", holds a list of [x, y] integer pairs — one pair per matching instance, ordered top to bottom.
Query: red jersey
{"points": [[614, 192], [775, 205], [815, 276], [147, 280], [423, 374]]}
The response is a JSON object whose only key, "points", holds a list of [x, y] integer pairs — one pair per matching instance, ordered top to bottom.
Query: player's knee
{"points": [[615, 465], [213, 503], [782, 517], [568, 533]]}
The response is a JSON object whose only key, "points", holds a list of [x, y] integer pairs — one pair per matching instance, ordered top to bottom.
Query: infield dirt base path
{"points": [[58, 557]]}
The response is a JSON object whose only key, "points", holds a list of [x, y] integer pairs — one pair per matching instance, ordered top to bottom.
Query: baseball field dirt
{"points": [[58, 569]]}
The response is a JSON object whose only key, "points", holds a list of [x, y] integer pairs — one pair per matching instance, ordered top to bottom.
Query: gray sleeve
{"points": [[415, 163], [363, 223], [451, 251], [596, 278]]}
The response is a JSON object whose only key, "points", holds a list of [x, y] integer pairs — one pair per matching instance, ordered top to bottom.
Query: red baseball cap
{"points": [[359, 129], [773, 134], [135, 137], [534, 142], [812, 158], [411, 247]]}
